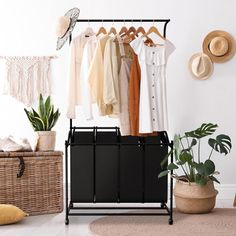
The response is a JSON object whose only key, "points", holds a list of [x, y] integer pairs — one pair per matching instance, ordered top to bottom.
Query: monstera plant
{"points": [[42, 122], [197, 169]]}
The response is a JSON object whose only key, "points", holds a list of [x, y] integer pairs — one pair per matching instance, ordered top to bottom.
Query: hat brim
{"points": [[73, 14], [231, 46], [210, 64]]}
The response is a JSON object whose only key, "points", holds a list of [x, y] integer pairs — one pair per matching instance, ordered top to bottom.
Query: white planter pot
{"points": [[46, 140]]}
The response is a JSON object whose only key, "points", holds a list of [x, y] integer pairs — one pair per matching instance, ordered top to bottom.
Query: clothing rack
{"points": [[165, 21], [164, 142]]}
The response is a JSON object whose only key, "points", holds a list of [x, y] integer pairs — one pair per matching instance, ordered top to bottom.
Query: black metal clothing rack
{"points": [[69, 204]]}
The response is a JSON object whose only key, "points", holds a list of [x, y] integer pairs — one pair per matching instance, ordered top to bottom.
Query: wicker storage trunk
{"points": [[32, 181]]}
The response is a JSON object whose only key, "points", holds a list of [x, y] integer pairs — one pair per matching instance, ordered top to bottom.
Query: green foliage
{"points": [[45, 118], [184, 152]]}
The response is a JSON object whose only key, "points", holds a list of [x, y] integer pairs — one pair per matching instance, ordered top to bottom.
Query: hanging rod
{"points": [[123, 20], [128, 20]]}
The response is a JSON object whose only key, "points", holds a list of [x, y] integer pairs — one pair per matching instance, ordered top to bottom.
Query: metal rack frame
{"points": [[68, 143]]}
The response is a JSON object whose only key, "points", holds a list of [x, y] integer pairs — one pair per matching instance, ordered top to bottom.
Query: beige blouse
{"points": [[76, 53], [96, 77], [111, 94]]}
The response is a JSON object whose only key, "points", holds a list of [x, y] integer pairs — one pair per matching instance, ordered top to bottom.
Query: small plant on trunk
{"points": [[45, 119]]}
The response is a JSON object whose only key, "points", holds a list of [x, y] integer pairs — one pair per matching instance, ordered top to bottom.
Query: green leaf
{"points": [[48, 106], [41, 107], [35, 113], [55, 118], [39, 123], [205, 130], [193, 143], [221, 144], [177, 146], [185, 157], [165, 159], [172, 166], [209, 167], [200, 168], [163, 173], [213, 178], [200, 180]]}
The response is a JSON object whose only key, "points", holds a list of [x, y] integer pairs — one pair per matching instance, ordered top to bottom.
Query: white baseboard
{"points": [[226, 191]]}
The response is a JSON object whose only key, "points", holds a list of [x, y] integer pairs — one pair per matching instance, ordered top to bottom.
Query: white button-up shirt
{"points": [[76, 53], [86, 97], [153, 103]]}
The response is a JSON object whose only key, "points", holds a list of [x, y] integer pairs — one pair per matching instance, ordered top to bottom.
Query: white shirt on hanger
{"points": [[75, 59], [86, 97], [153, 103]]}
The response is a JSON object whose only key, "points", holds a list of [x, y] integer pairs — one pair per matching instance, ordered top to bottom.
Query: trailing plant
{"points": [[45, 118], [188, 158]]}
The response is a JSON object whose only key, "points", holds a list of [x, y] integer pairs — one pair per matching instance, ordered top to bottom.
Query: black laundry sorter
{"points": [[106, 167]]}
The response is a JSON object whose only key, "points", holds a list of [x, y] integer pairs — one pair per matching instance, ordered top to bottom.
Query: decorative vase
{"points": [[46, 140], [194, 199]]}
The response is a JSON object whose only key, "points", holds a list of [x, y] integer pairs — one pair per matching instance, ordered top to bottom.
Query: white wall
{"points": [[27, 28]]}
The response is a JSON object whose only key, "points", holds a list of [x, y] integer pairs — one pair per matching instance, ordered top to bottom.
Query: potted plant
{"points": [[43, 121], [194, 189]]}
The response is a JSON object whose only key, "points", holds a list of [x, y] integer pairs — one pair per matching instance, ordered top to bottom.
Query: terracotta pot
{"points": [[46, 140], [192, 198]]}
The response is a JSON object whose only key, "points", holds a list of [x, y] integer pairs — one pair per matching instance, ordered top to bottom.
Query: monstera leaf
{"points": [[205, 130], [221, 144]]}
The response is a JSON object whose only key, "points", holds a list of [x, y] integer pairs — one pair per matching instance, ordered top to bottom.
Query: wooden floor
{"points": [[53, 225]]}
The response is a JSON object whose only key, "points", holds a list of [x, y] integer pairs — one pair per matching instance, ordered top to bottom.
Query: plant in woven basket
{"points": [[45, 118], [42, 122], [187, 154], [194, 190]]}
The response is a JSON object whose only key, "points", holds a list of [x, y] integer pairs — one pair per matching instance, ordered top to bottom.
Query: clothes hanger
{"points": [[123, 29], [101, 30], [112, 30], [131, 30], [140, 30], [154, 30], [89, 31]]}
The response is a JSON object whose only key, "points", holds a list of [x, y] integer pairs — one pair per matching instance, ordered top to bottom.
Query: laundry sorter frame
{"points": [[69, 144]]}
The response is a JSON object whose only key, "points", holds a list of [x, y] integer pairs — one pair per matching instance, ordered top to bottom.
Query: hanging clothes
{"points": [[76, 53], [124, 75], [27, 77], [96, 77], [134, 93], [111, 95], [134, 97], [86, 98], [153, 104]]}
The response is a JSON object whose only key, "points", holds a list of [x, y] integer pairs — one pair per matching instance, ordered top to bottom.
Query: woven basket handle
{"points": [[21, 167]]}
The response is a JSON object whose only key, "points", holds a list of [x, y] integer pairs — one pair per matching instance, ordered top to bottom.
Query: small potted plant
{"points": [[42, 122], [194, 189]]}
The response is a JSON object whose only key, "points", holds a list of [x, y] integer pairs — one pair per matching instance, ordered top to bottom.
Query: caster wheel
{"points": [[71, 205], [162, 205], [67, 221], [170, 222]]}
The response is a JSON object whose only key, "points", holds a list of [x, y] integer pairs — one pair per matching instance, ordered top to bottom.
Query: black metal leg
{"points": [[66, 183], [171, 189]]}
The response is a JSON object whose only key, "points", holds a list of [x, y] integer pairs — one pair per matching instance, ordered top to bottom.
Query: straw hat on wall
{"points": [[219, 46], [200, 66]]}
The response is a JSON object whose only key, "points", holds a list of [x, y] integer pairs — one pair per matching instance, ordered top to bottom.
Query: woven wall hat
{"points": [[65, 26], [219, 46], [200, 66]]}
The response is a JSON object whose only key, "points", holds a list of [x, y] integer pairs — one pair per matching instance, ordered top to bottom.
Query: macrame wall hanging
{"points": [[27, 77]]}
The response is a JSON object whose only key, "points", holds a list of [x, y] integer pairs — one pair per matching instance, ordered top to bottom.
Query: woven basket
{"points": [[32, 181]]}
